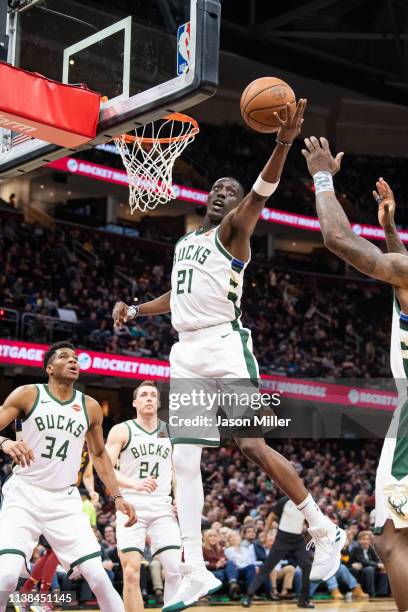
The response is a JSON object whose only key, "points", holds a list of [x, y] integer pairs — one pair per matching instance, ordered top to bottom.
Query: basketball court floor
{"points": [[378, 605]]}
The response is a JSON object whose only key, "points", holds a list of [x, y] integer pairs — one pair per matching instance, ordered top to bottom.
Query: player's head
{"points": [[226, 193], [61, 362], [146, 398]]}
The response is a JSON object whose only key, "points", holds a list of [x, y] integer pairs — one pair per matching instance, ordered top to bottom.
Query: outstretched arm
{"points": [[386, 213], [241, 222], [337, 233], [160, 305], [101, 459]]}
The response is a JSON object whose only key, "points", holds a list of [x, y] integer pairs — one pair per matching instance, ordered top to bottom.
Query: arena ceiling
{"points": [[360, 44]]}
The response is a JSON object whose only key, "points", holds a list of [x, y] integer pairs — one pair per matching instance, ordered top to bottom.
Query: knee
{"points": [[253, 448], [385, 546], [368, 571], [131, 574], [8, 581]]}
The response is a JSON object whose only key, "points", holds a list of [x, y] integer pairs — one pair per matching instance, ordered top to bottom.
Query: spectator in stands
{"points": [[241, 558], [216, 561], [367, 567]]}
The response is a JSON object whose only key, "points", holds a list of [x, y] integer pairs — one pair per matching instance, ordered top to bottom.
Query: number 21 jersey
{"points": [[206, 283]]}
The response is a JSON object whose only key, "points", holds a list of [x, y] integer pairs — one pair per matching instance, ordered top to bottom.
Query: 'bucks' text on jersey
{"points": [[206, 283], [55, 432], [148, 454]]}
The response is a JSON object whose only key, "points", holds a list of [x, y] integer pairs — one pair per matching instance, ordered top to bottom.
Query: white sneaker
{"points": [[328, 543], [197, 582]]}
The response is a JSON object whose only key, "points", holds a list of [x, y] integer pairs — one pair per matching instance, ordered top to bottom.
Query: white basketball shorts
{"points": [[29, 511], [156, 521]]}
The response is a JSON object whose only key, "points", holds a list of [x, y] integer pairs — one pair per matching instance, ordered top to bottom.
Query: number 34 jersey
{"points": [[206, 283], [55, 432], [148, 454]]}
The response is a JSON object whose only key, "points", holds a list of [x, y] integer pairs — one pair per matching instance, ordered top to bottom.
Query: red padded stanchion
{"points": [[65, 115]]}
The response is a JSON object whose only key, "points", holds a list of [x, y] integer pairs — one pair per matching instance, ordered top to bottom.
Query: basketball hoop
{"points": [[149, 157]]}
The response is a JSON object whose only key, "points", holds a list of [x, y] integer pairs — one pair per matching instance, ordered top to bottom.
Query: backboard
{"points": [[148, 57]]}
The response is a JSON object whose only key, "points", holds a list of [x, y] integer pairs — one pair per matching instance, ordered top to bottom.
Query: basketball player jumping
{"points": [[204, 302], [142, 450], [41, 496], [391, 524]]}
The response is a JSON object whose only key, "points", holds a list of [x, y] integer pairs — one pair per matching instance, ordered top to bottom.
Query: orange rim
{"points": [[172, 117]]}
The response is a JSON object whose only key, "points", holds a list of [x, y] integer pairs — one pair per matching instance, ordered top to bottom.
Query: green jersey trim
{"points": [[182, 238], [221, 248], [248, 356], [62, 403], [34, 406], [84, 407], [149, 433], [129, 437], [399, 467], [174, 547], [82, 559]]}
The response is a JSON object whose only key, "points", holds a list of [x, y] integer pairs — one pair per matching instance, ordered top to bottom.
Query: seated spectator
{"points": [[248, 535], [241, 557], [218, 564], [367, 567]]}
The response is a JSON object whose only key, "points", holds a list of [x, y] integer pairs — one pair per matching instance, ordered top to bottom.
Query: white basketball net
{"points": [[149, 160]]}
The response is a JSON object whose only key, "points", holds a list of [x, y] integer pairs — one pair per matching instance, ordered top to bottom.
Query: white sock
{"points": [[190, 500], [312, 513], [170, 560], [10, 569], [99, 582]]}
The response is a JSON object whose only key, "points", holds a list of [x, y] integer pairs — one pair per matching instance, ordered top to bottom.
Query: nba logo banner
{"points": [[183, 48]]}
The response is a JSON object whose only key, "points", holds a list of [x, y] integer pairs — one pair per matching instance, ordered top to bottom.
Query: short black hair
{"points": [[54, 348], [145, 383]]}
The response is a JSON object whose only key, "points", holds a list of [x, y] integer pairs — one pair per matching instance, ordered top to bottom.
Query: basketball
{"points": [[261, 99]]}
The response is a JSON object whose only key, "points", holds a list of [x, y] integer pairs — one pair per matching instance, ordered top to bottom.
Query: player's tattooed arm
{"points": [[384, 197], [243, 219], [338, 236], [160, 305], [17, 404], [118, 438], [101, 459]]}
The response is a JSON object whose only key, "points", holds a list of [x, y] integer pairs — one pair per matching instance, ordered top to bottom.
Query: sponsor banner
{"points": [[120, 177], [197, 196], [13, 352]]}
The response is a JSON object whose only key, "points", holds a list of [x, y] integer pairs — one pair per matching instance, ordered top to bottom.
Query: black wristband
{"points": [[285, 144], [3, 441], [115, 497]]}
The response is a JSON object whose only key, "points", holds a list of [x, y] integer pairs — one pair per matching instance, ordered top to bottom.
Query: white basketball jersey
{"points": [[206, 283], [399, 346], [55, 431], [148, 454]]}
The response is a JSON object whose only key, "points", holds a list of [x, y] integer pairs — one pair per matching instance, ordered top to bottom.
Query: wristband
{"points": [[285, 144], [323, 181], [263, 188], [133, 312], [3, 441], [115, 497]]}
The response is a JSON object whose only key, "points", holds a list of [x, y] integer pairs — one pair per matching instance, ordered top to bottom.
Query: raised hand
{"points": [[290, 126], [319, 158], [386, 203], [119, 314]]}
